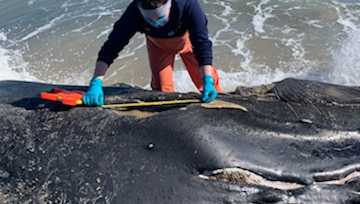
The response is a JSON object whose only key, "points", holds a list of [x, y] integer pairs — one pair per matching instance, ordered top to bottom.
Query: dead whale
{"points": [[292, 141]]}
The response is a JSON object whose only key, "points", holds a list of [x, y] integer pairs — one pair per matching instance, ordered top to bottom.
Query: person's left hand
{"points": [[209, 92]]}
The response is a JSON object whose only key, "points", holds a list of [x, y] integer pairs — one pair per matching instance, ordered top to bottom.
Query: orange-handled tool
{"points": [[70, 98]]}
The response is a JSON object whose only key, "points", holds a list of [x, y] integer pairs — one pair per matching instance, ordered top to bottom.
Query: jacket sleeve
{"points": [[123, 30], [199, 34]]}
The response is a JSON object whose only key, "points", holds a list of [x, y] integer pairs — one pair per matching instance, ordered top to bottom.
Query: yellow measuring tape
{"points": [[151, 103]]}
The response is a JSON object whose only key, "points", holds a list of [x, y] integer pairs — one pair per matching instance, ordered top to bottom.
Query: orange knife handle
{"points": [[70, 98]]}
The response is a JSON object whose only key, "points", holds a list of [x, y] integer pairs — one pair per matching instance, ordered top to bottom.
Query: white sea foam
{"points": [[31, 2], [70, 3], [262, 14], [345, 16], [315, 23], [226, 27], [43, 28], [104, 33], [3, 37], [242, 50], [298, 51], [346, 58], [347, 61], [13, 67], [230, 80]]}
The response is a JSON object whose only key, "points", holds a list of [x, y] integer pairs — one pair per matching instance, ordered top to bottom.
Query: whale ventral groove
{"points": [[292, 141]]}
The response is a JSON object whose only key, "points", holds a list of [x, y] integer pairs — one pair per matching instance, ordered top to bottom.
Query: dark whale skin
{"points": [[295, 131]]}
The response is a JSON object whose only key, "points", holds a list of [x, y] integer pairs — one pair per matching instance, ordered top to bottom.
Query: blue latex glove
{"points": [[209, 92], [94, 95]]}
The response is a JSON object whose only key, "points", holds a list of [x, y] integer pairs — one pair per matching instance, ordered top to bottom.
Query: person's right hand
{"points": [[94, 95]]}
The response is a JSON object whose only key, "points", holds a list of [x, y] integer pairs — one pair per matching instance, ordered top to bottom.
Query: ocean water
{"points": [[255, 41]]}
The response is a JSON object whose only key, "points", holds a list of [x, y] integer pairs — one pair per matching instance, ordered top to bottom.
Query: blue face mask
{"points": [[157, 17], [160, 22]]}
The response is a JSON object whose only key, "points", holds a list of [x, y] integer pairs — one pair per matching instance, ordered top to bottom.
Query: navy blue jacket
{"points": [[185, 15]]}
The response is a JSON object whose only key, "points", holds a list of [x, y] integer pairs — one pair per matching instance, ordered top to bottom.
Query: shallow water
{"points": [[255, 41]]}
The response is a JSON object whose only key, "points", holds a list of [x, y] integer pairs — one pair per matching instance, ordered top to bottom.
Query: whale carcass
{"points": [[293, 141]]}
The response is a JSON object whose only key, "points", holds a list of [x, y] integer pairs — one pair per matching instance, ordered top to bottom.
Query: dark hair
{"points": [[152, 4]]}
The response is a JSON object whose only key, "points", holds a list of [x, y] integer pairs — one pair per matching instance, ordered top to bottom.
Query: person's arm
{"points": [[123, 30], [199, 36], [202, 48], [100, 70]]}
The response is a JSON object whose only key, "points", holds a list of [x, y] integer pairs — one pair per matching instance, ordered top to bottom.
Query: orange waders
{"points": [[162, 53]]}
